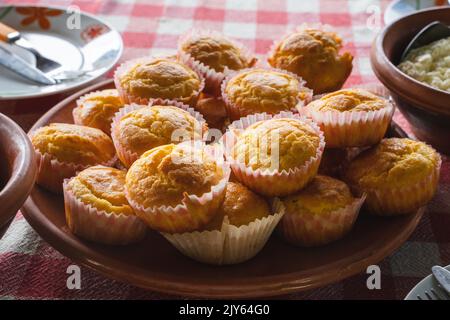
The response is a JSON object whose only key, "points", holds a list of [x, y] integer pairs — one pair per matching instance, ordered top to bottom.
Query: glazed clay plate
{"points": [[78, 41], [154, 264]]}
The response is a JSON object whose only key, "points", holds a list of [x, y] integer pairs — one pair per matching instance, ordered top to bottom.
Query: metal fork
{"points": [[432, 294]]}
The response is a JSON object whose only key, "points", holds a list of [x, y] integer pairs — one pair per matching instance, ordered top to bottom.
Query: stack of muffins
{"points": [[140, 156]]}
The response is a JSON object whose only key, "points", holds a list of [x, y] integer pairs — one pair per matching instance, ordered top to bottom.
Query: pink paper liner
{"points": [[213, 78], [128, 98], [80, 101], [236, 111], [351, 128], [126, 156], [52, 172], [276, 183], [389, 201], [193, 212], [92, 224], [309, 230], [230, 244]]}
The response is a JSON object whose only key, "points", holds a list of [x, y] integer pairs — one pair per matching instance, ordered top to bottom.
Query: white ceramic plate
{"points": [[400, 8], [76, 41], [428, 289]]}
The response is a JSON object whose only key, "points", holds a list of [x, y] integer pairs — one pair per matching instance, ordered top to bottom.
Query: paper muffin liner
{"points": [[213, 78], [128, 98], [80, 101], [236, 111], [351, 128], [126, 156], [52, 172], [272, 183], [390, 201], [193, 212], [92, 224], [308, 230], [231, 244]]}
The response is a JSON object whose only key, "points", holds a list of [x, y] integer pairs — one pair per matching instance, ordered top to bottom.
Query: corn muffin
{"points": [[313, 54], [214, 56], [152, 78], [262, 90], [97, 109], [213, 110], [351, 117], [137, 129], [63, 149], [274, 156], [398, 175], [176, 188], [97, 209], [322, 212], [237, 233]]}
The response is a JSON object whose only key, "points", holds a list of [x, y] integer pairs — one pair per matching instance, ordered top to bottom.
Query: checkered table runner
{"points": [[30, 268]]}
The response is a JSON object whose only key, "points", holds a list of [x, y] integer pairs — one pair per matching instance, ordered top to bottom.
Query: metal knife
{"points": [[16, 64], [442, 276]]}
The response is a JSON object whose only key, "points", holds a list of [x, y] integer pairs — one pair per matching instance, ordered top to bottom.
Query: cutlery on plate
{"points": [[12, 36], [16, 64], [442, 276]]}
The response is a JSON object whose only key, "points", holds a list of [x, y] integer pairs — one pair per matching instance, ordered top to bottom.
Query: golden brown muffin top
{"points": [[216, 52], [313, 54], [161, 78], [261, 90], [349, 100], [97, 109], [148, 127], [296, 142], [74, 144], [395, 162], [166, 174], [102, 188], [323, 194], [241, 205]]}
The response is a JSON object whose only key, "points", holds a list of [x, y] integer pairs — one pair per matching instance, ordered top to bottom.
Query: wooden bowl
{"points": [[426, 108], [17, 169], [154, 264]]}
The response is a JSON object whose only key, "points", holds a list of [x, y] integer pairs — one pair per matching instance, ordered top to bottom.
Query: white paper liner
{"points": [[213, 78], [128, 98], [80, 101], [235, 111], [351, 128], [126, 156], [52, 172], [271, 183], [389, 201], [194, 211], [92, 224], [308, 230], [231, 244]]}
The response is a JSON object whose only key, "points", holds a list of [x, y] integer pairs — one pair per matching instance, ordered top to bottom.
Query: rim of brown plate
{"points": [[261, 286]]}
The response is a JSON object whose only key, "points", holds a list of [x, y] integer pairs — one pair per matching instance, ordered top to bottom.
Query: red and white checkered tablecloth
{"points": [[30, 268]]}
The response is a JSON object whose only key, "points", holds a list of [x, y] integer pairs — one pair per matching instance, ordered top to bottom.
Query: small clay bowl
{"points": [[426, 108], [17, 169]]}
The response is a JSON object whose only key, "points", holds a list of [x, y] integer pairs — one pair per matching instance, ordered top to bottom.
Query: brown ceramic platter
{"points": [[154, 264]]}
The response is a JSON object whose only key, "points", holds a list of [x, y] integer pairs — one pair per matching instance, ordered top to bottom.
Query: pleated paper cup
{"points": [[213, 78], [129, 98], [236, 111], [351, 128], [128, 156], [52, 172], [271, 183], [391, 201], [194, 212], [92, 224], [308, 230], [231, 244]]}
